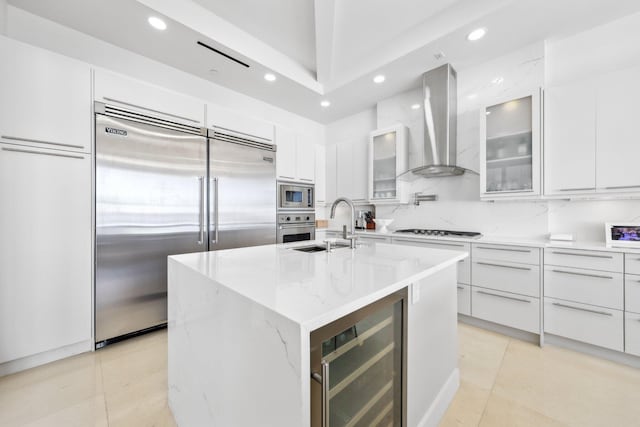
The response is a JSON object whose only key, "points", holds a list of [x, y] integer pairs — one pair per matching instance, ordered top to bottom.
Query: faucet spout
{"points": [[352, 234]]}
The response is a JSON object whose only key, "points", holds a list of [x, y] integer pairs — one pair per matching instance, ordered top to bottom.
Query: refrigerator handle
{"points": [[214, 182], [202, 209]]}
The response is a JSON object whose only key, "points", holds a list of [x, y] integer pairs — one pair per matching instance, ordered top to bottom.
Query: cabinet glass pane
{"points": [[509, 147], [384, 166], [365, 371]]}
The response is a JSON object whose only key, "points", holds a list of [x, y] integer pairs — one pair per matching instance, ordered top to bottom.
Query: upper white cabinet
{"points": [[45, 98], [148, 99], [239, 123], [618, 138], [570, 139], [510, 150], [388, 155], [296, 156], [331, 167], [351, 170], [321, 174], [45, 250]]}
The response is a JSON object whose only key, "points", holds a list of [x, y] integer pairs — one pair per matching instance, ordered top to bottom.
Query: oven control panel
{"points": [[296, 218]]}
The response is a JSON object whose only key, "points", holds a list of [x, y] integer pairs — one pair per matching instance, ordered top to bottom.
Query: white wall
{"points": [[3, 16], [37, 31]]}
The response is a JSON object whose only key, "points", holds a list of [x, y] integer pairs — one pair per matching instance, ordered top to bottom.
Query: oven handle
{"points": [[290, 226]]}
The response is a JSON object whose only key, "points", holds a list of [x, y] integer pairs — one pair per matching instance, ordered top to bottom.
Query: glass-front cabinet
{"points": [[510, 148], [388, 158], [358, 367]]}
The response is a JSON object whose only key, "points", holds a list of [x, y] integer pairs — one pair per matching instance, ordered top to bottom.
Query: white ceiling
{"points": [[325, 49]]}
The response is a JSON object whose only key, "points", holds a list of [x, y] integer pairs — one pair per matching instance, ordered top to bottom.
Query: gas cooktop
{"points": [[450, 233]]}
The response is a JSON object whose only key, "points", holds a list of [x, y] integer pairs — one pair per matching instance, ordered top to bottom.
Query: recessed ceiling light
{"points": [[157, 23], [476, 34], [270, 77], [379, 78], [497, 80], [325, 103], [415, 106], [488, 112]]}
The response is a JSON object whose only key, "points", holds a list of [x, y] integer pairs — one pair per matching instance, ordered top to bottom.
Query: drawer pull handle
{"points": [[40, 141], [15, 150], [621, 187], [577, 189], [429, 243], [505, 249], [587, 255], [504, 266], [583, 274], [461, 288], [504, 296], [604, 313]]}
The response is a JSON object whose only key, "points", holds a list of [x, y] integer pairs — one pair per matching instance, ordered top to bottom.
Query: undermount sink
{"points": [[319, 248]]}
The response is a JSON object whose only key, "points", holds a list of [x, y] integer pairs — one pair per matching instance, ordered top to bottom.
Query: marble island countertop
{"points": [[537, 242], [313, 289]]}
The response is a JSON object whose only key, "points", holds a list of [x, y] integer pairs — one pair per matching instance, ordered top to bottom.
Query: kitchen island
{"points": [[240, 322]]}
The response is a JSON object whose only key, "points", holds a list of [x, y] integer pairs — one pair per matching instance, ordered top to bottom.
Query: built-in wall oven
{"points": [[295, 196], [296, 226]]}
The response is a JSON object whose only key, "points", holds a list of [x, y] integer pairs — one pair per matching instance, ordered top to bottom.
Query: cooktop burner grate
{"points": [[451, 233]]}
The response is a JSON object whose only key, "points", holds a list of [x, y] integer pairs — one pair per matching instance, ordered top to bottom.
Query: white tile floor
{"points": [[504, 382]]}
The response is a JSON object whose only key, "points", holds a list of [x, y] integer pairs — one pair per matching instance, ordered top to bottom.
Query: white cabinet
{"points": [[45, 98], [147, 99], [238, 123], [570, 139], [618, 140], [510, 148], [296, 157], [388, 158], [351, 170], [331, 171], [321, 174], [364, 239], [45, 250], [589, 260], [603, 289], [632, 293], [464, 299], [504, 308], [632, 333]]}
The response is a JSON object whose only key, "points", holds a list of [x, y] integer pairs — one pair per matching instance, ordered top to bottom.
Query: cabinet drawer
{"points": [[374, 239], [519, 254], [591, 260], [632, 263], [464, 266], [508, 277], [601, 288], [632, 293], [464, 299], [516, 311], [594, 325], [632, 333]]}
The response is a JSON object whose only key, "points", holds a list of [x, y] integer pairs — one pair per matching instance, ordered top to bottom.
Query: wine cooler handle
{"points": [[324, 381]]}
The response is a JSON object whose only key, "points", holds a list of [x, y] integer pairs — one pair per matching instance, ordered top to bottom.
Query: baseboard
{"points": [[501, 329], [592, 350], [13, 366], [436, 411]]}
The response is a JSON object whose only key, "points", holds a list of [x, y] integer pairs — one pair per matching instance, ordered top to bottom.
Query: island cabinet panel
{"points": [[45, 251], [464, 266], [464, 299], [516, 311], [582, 322], [632, 333]]}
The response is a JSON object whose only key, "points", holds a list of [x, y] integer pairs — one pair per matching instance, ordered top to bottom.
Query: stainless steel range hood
{"points": [[440, 121]]}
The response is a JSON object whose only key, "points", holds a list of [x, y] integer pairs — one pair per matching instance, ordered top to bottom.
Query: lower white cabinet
{"points": [[373, 239], [45, 250], [464, 266], [509, 277], [601, 288], [632, 293], [464, 299], [516, 311], [587, 323], [632, 333]]}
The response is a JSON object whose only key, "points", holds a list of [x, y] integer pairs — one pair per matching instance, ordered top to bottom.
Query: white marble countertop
{"points": [[536, 242], [314, 289]]}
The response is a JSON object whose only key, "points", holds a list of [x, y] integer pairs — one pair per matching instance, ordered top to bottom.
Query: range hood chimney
{"points": [[440, 122]]}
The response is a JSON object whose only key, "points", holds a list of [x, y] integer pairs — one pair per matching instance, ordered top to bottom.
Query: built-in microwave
{"points": [[295, 196]]}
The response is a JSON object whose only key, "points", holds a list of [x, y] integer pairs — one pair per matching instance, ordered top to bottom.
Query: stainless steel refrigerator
{"points": [[164, 188]]}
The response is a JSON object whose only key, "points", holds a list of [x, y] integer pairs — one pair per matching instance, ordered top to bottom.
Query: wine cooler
{"points": [[358, 367]]}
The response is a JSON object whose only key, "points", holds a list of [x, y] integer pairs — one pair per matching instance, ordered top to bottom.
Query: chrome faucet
{"points": [[352, 236]]}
